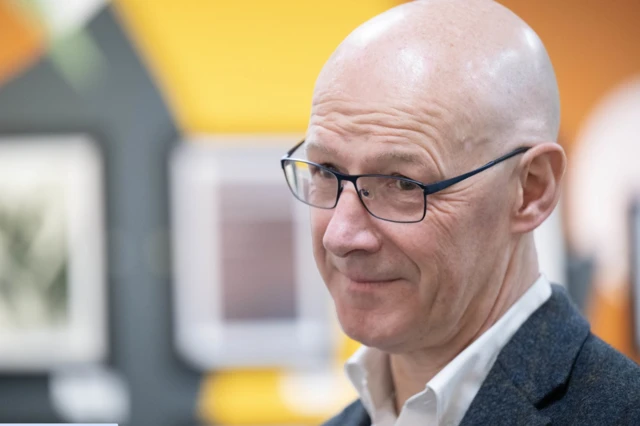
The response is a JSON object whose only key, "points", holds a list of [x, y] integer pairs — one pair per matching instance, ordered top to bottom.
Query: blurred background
{"points": [[154, 269]]}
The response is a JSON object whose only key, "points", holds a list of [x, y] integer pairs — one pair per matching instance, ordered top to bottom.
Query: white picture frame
{"points": [[51, 189], [206, 337]]}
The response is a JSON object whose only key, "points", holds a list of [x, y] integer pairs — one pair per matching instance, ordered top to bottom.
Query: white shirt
{"points": [[448, 395]]}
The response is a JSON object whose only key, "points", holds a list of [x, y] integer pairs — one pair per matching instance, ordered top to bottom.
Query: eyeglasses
{"points": [[391, 198]]}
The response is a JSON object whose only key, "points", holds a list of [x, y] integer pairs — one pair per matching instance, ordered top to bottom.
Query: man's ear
{"points": [[541, 171]]}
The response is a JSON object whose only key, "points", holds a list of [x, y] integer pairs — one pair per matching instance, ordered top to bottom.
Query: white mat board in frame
{"points": [[247, 290]]}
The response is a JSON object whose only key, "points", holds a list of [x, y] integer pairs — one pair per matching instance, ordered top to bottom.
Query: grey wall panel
{"points": [[127, 116]]}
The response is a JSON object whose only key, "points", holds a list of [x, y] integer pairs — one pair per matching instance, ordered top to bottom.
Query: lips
{"points": [[368, 272], [360, 278], [366, 280]]}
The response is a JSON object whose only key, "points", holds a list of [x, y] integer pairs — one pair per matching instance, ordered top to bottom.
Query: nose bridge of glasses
{"points": [[342, 179], [354, 192]]}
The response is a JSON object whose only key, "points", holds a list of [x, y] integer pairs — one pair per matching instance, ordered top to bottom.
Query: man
{"points": [[430, 158]]}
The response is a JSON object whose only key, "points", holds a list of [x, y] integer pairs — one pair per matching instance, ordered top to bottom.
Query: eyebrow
{"points": [[392, 156]]}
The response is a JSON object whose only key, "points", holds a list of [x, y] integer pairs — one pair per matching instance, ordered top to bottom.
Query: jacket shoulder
{"points": [[603, 368], [604, 387], [353, 415]]}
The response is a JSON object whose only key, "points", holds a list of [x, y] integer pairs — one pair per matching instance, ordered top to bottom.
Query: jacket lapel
{"points": [[536, 363], [499, 402], [361, 417]]}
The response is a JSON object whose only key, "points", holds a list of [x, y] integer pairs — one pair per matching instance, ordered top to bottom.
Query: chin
{"points": [[371, 329]]}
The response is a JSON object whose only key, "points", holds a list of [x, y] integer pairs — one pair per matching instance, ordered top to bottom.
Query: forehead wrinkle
{"points": [[376, 118], [380, 125], [399, 138], [421, 139], [393, 155], [390, 156], [401, 157]]}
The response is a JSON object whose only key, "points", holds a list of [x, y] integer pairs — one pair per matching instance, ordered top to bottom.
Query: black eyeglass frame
{"points": [[427, 189]]}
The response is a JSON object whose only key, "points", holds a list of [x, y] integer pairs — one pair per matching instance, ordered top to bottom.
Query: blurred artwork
{"points": [[257, 248], [33, 254], [247, 291], [52, 303]]}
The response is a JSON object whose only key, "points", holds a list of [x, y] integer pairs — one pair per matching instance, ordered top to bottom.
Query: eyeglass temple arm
{"points": [[292, 150], [439, 186]]}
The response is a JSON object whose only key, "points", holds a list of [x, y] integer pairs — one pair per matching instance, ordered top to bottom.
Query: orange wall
{"points": [[593, 44]]}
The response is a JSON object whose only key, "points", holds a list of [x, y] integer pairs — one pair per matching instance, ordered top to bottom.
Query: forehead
{"points": [[381, 131], [382, 152]]}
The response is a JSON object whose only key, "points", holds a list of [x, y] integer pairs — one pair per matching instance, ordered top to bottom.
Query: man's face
{"points": [[403, 287]]}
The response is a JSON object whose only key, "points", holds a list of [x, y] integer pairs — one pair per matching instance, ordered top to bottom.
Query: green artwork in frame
{"points": [[52, 244]]}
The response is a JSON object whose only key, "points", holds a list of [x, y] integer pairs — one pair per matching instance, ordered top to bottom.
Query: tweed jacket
{"points": [[553, 371]]}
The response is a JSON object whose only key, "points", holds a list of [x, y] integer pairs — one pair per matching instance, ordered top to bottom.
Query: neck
{"points": [[411, 371]]}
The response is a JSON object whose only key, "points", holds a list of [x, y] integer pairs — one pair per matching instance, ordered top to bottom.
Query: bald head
{"points": [[472, 62], [430, 91]]}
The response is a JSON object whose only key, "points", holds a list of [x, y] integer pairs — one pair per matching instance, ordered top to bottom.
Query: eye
{"points": [[329, 166], [323, 172], [326, 174], [405, 185]]}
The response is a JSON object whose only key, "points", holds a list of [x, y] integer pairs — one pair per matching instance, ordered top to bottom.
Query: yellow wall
{"points": [[241, 66]]}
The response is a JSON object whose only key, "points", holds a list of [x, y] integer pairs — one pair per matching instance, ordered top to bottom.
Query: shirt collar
{"points": [[369, 373], [458, 382]]}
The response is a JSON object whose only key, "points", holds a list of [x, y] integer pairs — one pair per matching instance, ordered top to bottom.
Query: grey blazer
{"points": [[552, 371]]}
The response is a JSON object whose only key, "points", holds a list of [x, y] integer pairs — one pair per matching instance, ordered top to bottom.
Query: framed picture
{"points": [[52, 270], [247, 291]]}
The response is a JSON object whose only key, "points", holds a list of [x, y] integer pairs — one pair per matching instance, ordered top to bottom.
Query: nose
{"points": [[351, 227]]}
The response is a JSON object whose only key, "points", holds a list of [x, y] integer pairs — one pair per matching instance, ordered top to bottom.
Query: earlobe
{"points": [[539, 183]]}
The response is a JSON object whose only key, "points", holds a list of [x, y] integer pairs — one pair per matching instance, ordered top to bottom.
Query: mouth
{"points": [[366, 283]]}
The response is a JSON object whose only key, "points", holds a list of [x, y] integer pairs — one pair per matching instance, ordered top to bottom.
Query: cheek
{"points": [[483, 229], [466, 238], [426, 247], [439, 249]]}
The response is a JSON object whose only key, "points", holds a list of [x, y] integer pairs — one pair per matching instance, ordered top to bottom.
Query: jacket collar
{"points": [[535, 363]]}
